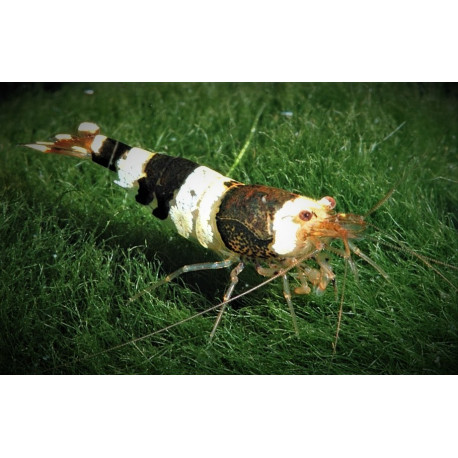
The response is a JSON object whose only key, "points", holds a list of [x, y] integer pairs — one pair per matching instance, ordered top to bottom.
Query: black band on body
{"points": [[109, 153], [164, 176]]}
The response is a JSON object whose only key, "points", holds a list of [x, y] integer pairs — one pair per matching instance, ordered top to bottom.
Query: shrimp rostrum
{"points": [[274, 230]]}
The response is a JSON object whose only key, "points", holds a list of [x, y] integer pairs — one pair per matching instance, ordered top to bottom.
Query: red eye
{"points": [[305, 215]]}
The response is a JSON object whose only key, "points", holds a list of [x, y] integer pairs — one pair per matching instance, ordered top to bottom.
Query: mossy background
{"points": [[75, 247]]}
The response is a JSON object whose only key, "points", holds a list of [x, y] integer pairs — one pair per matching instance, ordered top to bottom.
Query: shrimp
{"points": [[280, 233]]}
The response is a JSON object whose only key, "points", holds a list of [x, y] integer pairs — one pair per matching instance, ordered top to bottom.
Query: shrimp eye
{"points": [[305, 215]]}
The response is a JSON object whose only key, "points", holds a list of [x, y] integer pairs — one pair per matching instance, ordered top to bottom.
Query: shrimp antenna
{"points": [[384, 198], [424, 259]]}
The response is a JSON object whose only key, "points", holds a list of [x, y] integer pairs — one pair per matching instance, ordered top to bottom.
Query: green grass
{"points": [[75, 247]]}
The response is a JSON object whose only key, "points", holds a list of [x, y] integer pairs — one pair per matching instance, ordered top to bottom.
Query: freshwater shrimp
{"points": [[274, 230]]}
